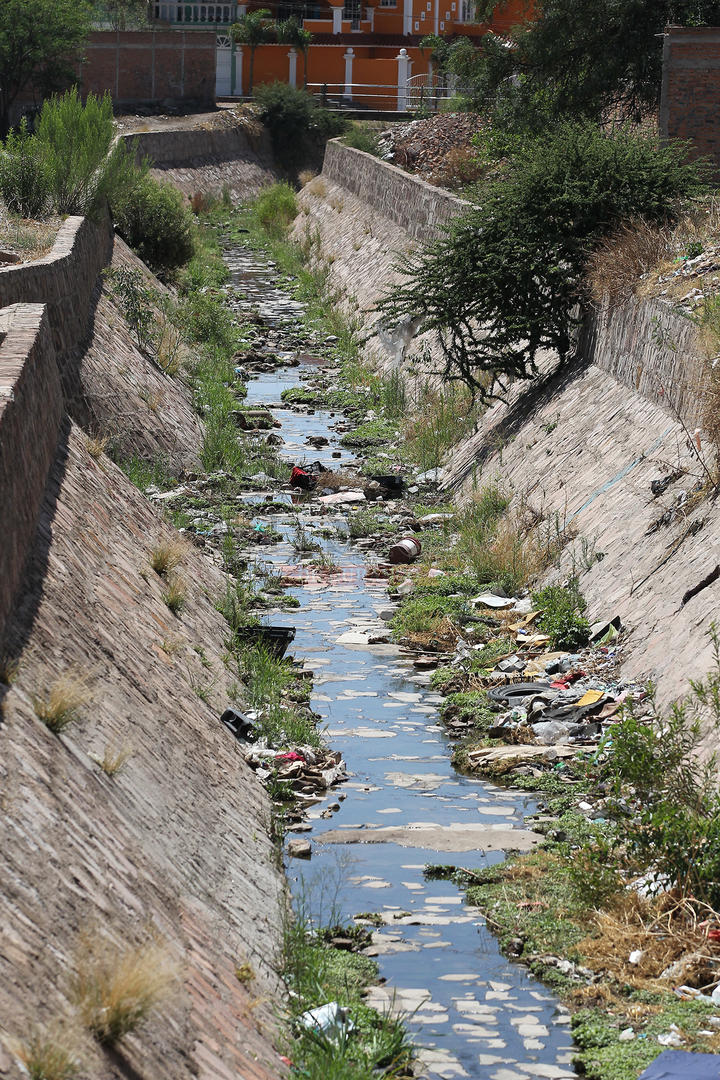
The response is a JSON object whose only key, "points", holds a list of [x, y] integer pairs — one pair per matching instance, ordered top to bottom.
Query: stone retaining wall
{"points": [[218, 152], [419, 208], [364, 212], [65, 280], [650, 349], [31, 409]]}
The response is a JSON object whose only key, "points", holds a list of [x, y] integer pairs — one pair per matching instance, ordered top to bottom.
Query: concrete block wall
{"points": [[691, 89], [31, 411]]}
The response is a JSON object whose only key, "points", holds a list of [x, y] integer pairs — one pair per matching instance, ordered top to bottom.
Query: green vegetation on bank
{"points": [[518, 271], [367, 1045]]}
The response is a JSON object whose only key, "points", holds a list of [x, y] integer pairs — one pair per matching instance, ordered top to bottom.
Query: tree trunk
{"points": [[305, 60], [252, 70]]}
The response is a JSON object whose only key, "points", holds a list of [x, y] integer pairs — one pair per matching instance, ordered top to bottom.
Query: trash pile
{"points": [[421, 146], [691, 278], [544, 704], [309, 772]]}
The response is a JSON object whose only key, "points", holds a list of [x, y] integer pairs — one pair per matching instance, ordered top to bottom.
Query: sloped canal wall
{"points": [[582, 445], [173, 851]]}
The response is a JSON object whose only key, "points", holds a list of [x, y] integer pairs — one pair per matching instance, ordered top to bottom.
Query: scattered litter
{"points": [[343, 498], [242, 727], [681, 1065]]}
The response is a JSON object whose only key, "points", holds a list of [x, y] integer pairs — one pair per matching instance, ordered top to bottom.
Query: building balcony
{"points": [[180, 13]]}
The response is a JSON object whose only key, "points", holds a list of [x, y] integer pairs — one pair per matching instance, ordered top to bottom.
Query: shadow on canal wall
{"points": [[582, 445], [175, 848]]}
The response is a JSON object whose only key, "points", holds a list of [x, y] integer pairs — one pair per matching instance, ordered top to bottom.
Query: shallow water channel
{"points": [[473, 1013]]}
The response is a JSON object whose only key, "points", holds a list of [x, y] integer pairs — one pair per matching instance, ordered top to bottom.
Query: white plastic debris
{"points": [[405, 587], [492, 601], [636, 956], [330, 1019], [626, 1035]]}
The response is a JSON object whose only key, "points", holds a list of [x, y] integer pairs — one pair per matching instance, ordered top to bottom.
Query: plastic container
{"points": [[405, 551], [275, 638]]}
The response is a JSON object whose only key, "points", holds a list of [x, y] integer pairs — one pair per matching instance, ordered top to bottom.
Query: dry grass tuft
{"points": [[305, 176], [317, 187], [615, 268], [96, 445], [167, 556], [175, 595], [59, 706], [114, 759], [670, 932], [115, 991], [47, 1056]]}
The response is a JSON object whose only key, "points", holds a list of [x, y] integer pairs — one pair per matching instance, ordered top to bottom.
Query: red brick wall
{"points": [[151, 65], [144, 67], [690, 106]]}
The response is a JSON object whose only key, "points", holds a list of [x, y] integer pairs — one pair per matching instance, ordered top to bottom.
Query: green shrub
{"points": [[295, 120], [362, 137], [83, 166], [24, 181], [276, 209], [157, 223], [516, 263], [137, 301], [562, 616]]}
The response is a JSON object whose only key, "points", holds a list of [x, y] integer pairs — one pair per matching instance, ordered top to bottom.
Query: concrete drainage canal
{"points": [[472, 1012]]}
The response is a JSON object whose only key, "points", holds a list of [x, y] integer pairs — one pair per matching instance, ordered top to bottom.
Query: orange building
{"points": [[364, 52]]}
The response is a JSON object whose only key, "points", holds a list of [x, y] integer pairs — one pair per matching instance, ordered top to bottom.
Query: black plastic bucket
{"points": [[274, 638]]}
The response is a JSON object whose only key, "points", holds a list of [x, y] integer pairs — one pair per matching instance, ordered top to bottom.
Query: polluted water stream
{"points": [[471, 1011]]}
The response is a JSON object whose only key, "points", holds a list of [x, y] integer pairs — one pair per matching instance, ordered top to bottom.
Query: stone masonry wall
{"points": [[691, 89], [218, 151], [419, 208], [356, 213], [65, 280], [652, 350], [31, 408]]}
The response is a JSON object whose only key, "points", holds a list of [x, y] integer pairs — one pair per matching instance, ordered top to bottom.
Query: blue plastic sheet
{"points": [[680, 1065]]}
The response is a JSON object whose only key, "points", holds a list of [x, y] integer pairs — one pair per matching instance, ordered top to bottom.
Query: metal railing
{"points": [[191, 14], [426, 92], [359, 95]]}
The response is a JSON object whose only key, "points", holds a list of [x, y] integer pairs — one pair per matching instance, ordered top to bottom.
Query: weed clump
{"points": [[276, 209], [167, 556], [175, 595], [562, 616], [60, 705], [115, 991], [47, 1058]]}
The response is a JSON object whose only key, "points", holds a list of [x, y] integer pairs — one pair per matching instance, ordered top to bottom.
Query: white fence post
{"points": [[348, 58], [403, 63], [292, 67], [238, 85]]}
